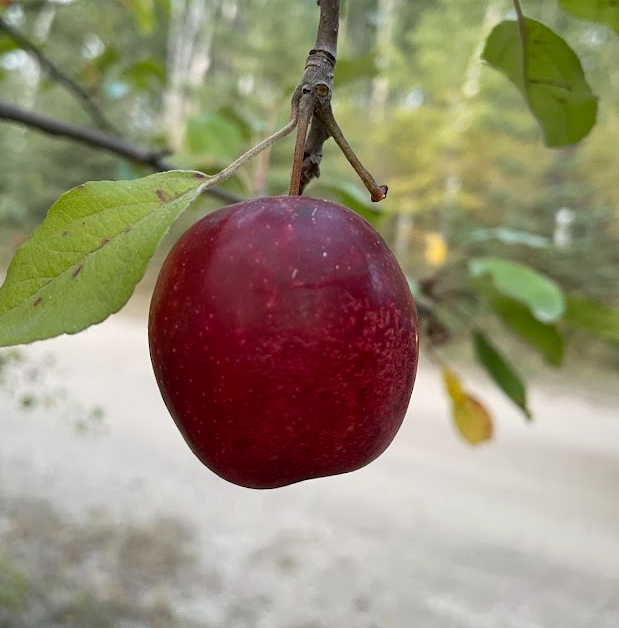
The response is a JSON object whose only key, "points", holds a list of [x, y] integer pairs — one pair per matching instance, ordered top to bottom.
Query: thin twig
{"points": [[328, 27], [522, 28], [58, 75], [318, 84], [305, 115], [84, 135], [100, 140], [312, 156], [226, 173], [377, 192], [434, 356]]}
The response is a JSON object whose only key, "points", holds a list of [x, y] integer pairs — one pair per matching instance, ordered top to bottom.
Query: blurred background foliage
{"points": [[468, 173]]}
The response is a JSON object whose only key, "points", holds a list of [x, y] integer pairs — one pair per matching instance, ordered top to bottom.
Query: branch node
{"points": [[379, 193]]}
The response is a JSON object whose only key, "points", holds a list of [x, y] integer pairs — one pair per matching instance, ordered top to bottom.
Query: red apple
{"points": [[283, 336]]}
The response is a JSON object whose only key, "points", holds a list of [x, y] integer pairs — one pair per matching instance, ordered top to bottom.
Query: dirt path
{"points": [[520, 534]]}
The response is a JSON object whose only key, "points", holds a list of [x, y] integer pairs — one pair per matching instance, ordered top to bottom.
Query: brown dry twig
{"points": [[58, 75], [317, 114], [98, 139]]}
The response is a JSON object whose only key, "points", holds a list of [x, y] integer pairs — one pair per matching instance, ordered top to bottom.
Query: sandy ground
{"points": [[120, 525]]}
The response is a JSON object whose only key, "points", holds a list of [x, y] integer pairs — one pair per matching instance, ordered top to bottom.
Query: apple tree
{"points": [[85, 259]]}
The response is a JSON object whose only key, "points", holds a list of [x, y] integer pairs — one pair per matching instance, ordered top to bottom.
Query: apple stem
{"points": [[317, 88], [311, 111], [306, 112], [325, 115], [250, 154], [227, 172]]}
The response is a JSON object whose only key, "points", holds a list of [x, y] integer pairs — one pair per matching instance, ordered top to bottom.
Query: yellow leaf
{"points": [[436, 249], [453, 386], [472, 420]]}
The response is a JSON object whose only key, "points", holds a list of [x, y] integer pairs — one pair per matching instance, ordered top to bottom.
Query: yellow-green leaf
{"points": [[601, 11], [144, 13], [436, 249], [84, 261], [596, 318], [453, 385], [472, 420]]}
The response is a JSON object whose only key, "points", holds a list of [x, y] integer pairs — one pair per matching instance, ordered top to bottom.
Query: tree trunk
{"points": [[190, 37], [379, 97], [460, 115]]}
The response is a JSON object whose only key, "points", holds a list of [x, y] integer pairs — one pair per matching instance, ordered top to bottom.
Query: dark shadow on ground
{"points": [[95, 574]]}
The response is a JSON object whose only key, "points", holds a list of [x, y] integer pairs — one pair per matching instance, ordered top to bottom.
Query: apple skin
{"points": [[283, 337]]}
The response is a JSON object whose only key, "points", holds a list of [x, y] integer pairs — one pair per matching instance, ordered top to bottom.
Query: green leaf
{"points": [[601, 11], [144, 13], [7, 45], [104, 62], [354, 69], [145, 75], [553, 82], [244, 124], [213, 136], [354, 198], [510, 236], [84, 261], [539, 293], [597, 318], [544, 337], [499, 369]]}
